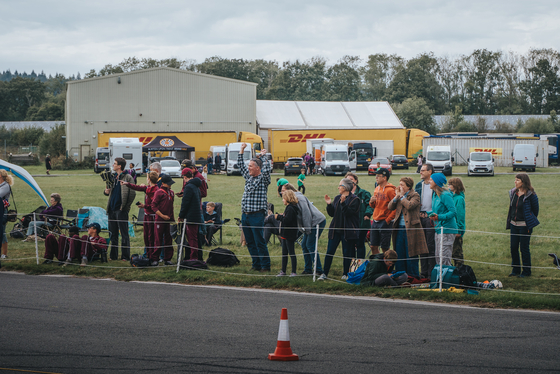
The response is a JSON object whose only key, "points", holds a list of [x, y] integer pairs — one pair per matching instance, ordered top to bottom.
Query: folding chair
{"points": [[218, 211], [82, 219], [70, 220], [138, 220]]}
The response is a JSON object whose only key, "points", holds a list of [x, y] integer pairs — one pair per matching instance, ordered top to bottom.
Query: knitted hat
{"points": [[439, 179]]}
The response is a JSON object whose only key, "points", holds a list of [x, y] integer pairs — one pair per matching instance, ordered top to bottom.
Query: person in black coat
{"points": [[218, 163], [48, 165], [191, 211], [345, 225], [289, 231]]}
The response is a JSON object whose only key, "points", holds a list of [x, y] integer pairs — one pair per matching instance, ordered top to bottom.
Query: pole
{"points": [[36, 241], [316, 244], [180, 256], [440, 259]]}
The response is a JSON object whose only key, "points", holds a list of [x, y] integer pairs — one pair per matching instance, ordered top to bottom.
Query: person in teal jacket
{"points": [[458, 190], [443, 215]]}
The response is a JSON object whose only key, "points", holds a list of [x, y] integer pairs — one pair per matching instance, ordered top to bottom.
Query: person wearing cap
{"points": [[188, 164], [422, 188], [120, 200], [254, 205], [162, 206], [345, 210], [191, 212], [149, 214], [443, 214], [380, 234], [92, 243], [61, 247]]}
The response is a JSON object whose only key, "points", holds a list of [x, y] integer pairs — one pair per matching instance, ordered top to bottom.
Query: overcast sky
{"points": [[70, 36]]}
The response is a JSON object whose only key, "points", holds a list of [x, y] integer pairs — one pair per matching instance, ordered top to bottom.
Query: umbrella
{"points": [[21, 173]]}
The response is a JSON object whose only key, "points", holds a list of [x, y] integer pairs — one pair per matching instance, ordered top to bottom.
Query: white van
{"points": [[128, 148], [219, 150], [232, 150], [524, 157], [440, 158], [101, 160], [336, 161], [480, 163]]}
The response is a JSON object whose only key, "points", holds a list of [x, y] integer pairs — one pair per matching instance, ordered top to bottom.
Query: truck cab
{"points": [[365, 152], [440, 158], [336, 161]]}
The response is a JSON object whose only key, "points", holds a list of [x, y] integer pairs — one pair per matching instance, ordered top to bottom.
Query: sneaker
{"points": [[3, 257], [160, 260], [47, 261], [67, 262], [84, 262], [60, 263], [154, 263], [168, 263], [265, 270], [305, 272], [281, 274], [293, 275], [513, 275], [322, 277], [344, 277]]}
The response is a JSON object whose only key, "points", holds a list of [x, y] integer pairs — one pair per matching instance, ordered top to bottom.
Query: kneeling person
{"points": [[92, 243], [379, 271]]}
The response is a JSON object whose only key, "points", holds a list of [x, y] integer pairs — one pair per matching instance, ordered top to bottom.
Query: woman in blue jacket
{"points": [[443, 214], [522, 217]]}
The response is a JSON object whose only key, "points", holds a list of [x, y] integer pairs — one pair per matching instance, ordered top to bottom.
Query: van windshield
{"points": [[246, 155], [103, 156], [337, 156], [438, 156], [481, 157]]}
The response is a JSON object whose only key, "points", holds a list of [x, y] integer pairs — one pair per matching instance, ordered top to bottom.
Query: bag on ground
{"points": [[18, 232], [222, 257], [139, 261], [193, 264], [449, 275], [356, 276], [467, 278]]}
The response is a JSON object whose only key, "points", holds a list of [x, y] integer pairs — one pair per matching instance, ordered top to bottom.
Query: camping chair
{"points": [[218, 211], [82, 219], [70, 220], [138, 220]]}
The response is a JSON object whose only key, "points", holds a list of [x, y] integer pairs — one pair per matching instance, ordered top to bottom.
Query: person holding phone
{"points": [[443, 214]]}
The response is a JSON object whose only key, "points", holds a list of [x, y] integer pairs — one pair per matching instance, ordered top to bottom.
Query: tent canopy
{"points": [[167, 143], [21, 173]]}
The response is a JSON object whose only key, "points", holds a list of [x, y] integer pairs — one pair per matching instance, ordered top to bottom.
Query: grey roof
{"points": [[490, 120], [45, 125]]}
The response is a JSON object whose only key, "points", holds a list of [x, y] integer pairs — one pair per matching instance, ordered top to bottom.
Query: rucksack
{"points": [[18, 232], [222, 257], [139, 261], [193, 264], [449, 275], [466, 276]]}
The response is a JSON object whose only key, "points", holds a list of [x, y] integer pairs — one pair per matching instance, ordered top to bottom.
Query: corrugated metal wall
{"points": [[162, 99], [461, 148]]}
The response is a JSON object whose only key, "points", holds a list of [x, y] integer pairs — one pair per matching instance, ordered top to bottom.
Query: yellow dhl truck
{"points": [[201, 141], [284, 144]]}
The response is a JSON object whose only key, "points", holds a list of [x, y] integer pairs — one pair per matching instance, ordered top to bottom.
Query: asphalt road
{"points": [[77, 325]]}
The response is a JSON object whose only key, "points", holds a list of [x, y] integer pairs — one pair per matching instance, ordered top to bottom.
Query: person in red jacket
{"points": [[203, 188], [162, 205], [149, 214], [380, 234], [92, 243]]}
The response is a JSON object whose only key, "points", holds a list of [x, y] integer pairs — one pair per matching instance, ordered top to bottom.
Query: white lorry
{"points": [[128, 148], [232, 150], [524, 157], [440, 158], [335, 159]]}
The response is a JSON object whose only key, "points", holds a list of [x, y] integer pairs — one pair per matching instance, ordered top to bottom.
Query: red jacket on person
{"points": [[150, 191], [163, 201]]}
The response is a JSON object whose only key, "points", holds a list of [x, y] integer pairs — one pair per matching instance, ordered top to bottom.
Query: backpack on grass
{"points": [[18, 232], [222, 257], [139, 261], [193, 264], [449, 276], [466, 276]]}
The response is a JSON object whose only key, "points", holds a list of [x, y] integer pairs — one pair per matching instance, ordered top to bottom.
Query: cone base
{"points": [[275, 357]]}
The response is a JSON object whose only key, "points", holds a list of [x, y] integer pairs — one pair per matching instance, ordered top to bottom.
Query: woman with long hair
{"points": [[6, 181], [521, 219]]}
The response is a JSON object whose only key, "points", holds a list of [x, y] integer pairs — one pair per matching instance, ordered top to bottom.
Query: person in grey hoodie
{"points": [[308, 219]]}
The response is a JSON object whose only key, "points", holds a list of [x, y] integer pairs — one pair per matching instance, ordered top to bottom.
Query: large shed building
{"points": [[159, 99]]}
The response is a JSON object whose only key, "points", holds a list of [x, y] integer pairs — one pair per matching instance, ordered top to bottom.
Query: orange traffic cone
{"points": [[283, 350]]}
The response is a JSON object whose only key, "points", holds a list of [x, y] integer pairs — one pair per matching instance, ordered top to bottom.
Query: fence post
{"points": [[36, 241], [316, 244], [180, 255], [441, 259]]}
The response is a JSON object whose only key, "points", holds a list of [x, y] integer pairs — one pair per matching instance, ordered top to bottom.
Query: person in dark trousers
{"points": [[209, 163], [48, 164], [218, 164], [301, 182], [422, 188], [121, 199], [162, 206], [191, 212], [365, 215], [521, 219], [289, 231], [92, 243], [61, 248]]}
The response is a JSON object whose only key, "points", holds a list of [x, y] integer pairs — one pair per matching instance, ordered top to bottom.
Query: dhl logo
{"points": [[300, 138], [146, 139], [494, 151]]}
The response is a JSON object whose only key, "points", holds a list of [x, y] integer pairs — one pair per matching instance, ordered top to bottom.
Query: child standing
{"points": [[205, 173], [301, 181], [288, 230]]}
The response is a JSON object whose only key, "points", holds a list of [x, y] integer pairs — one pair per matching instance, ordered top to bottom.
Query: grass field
{"points": [[486, 243]]}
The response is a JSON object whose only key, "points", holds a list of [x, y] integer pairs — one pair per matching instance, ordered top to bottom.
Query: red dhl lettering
{"points": [[300, 138], [146, 139], [494, 151]]}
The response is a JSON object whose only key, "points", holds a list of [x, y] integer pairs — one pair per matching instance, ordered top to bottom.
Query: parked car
{"points": [[101, 160], [398, 161], [383, 162], [480, 163], [294, 166], [171, 167]]}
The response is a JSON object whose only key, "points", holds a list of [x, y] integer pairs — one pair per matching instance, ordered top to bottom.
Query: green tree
{"points": [[378, 74], [482, 77], [302, 81], [343, 81], [542, 87], [21, 94], [46, 112], [415, 113], [455, 122], [537, 126], [29, 135], [53, 142]]}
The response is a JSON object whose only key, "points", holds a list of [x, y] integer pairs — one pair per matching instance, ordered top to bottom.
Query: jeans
{"points": [[209, 168], [118, 222], [32, 224], [253, 230], [519, 239], [361, 243], [308, 248], [348, 251], [428, 261], [405, 263]]}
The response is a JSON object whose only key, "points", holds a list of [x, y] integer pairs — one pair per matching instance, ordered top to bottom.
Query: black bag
{"points": [[18, 232], [222, 257], [139, 261], [193, 264], [467, 278]]}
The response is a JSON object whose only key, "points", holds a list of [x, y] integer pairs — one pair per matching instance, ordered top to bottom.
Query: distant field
{"points": [[486, 243]]}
